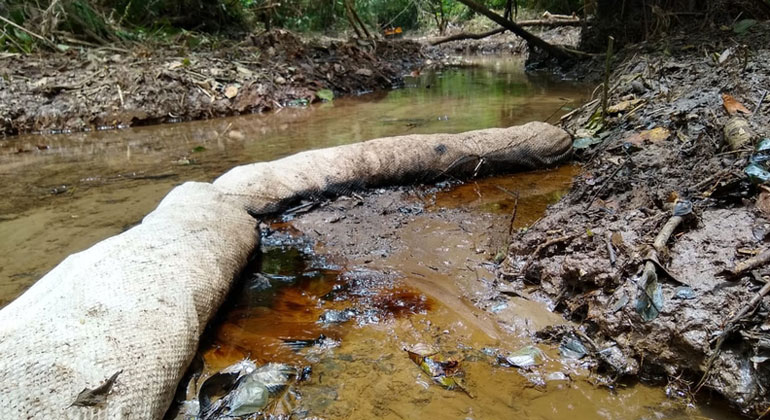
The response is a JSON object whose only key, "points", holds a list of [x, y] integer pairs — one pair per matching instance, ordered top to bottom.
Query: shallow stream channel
{"points": [[377, 304]]}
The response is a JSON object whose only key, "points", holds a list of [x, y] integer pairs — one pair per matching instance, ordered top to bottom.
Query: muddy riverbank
{"points": [[102, 88], [663, 150]]}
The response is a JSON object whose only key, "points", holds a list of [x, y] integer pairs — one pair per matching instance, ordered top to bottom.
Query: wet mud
{"points": [[662, 149], [340, 291]]}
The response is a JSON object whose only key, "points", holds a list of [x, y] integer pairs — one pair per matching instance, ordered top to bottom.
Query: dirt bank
{"points": [[106, 88], [663, 148]]}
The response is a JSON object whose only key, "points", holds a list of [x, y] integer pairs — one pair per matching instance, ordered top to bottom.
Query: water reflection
{"points": [[62, 193]]}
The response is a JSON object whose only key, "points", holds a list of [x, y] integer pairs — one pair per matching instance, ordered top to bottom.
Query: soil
{"points": [[111, 87], [663, 144]]}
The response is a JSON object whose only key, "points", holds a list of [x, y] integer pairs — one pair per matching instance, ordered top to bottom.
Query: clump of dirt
{"points": [[110, 87], [661, 151]]}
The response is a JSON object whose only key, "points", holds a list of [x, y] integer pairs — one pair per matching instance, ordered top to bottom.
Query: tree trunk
{"points": [[349, 15], [543, 23], [552, 50]]}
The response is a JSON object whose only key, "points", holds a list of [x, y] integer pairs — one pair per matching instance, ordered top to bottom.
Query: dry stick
{"points": [[21, 28], [464, 35], [607, 62], [759, 104], [556, 111], [607, 181], [513, 214], [665, 232], [659, 245], [610, 250], [752, 263], [731, 325]]}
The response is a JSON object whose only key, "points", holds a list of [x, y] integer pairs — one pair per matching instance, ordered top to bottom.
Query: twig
{"points": [[21, 28], [607, 62], [120, 96], [587, 105], [759, 105], [556, 111], [607, 181], [513, 214], [665, 232], [610, 250], [751, 263], [731, 325]]}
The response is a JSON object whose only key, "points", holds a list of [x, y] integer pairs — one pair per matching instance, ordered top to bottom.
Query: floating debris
{"points": [[442, 370], [247, 389]]}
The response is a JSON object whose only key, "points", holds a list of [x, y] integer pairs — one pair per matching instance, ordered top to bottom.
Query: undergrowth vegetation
{"points": [[60, 24]]}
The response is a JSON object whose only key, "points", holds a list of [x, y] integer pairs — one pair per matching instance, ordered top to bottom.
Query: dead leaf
{"points": [[231, 91], [623, 106], [732, 106], [655, 135], [763, 202], [91, 397]]}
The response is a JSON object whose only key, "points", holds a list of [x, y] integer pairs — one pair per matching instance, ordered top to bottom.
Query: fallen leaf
{"points": [[743, 25], [231, 91], [325, 95], [623, 106], [732, 106], [655, 135], [763, 202], [91, 397]]}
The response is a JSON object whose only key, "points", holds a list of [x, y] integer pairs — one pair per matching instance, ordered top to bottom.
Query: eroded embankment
{"points": [[111, 87], [661, 150]]}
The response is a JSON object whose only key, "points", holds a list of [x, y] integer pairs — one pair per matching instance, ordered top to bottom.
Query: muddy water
{"points": [[61, 194], [415, 267]]}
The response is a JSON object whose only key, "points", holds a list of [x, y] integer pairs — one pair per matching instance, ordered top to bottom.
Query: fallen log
{"points": [[547, 23], [555, 51]]}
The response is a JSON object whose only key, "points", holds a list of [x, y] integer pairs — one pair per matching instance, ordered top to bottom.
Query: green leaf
{"points": [[743, 25], [325, 95], [198, 149]]}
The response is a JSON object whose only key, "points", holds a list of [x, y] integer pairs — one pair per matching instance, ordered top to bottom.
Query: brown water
{"points": [[63, 193], [434, 288]]}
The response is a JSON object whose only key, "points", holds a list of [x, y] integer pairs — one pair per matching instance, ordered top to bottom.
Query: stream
{"points": [[344, 289]]}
